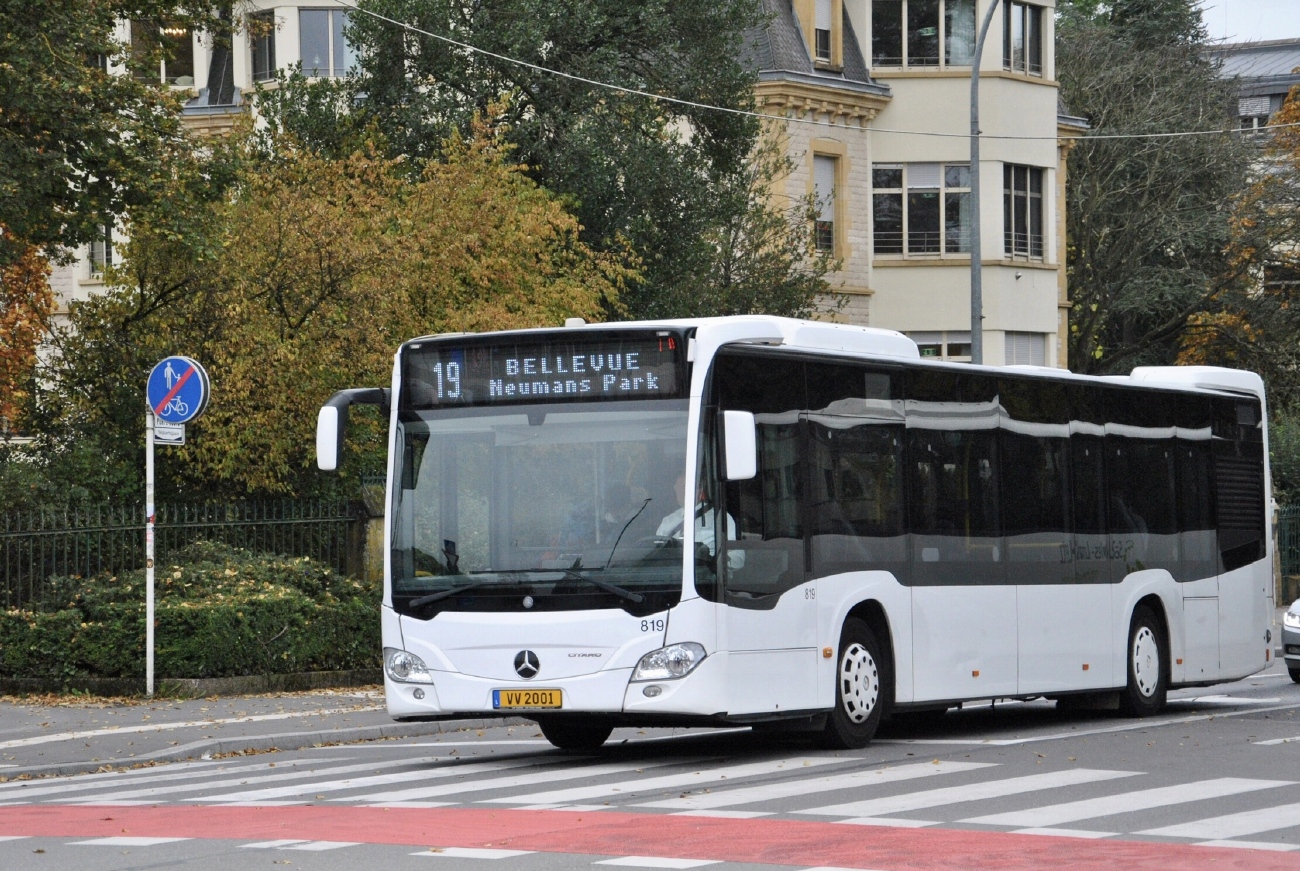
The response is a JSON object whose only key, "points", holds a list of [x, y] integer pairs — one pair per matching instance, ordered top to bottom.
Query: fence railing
{"points": [[1288, 540], [38, 545]]}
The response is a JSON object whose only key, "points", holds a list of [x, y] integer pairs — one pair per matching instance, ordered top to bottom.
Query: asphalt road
{"points": [[1213, 782]]}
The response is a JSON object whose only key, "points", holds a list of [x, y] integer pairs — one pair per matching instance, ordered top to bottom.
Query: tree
{"points": [[79, 145], [668, 182], [1150, 220], [317, 269], [26, 302], [1256, 324]]}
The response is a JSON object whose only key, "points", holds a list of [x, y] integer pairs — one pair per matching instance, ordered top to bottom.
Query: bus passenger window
{"points": [[855, 499]]}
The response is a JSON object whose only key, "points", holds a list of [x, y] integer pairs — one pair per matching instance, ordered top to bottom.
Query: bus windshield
{"points": [[556, 506]]}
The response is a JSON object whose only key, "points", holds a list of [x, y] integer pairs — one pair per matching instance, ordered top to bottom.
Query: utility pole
{"points": [[976, 274]]}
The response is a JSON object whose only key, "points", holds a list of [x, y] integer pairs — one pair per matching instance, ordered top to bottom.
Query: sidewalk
{"points": [[52, 735]]}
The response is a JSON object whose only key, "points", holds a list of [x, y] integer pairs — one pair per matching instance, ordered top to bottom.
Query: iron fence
{"points": [[83, 541], [1288, 545]]}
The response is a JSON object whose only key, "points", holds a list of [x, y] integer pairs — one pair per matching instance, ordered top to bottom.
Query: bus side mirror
{"points": [[332, 421], [740, 440]]}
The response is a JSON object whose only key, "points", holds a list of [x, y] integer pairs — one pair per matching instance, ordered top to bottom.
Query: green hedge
{"points": [[220, 612]]}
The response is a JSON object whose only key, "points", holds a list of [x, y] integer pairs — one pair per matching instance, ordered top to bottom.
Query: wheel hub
{"points": [[1146, 661], [859, 683]]}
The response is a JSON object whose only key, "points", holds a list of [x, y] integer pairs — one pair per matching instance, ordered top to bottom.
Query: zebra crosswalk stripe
{"points": [[443, 770], [278, 775], [703, 777], [108, 780], [510, 782], [787, 789], [929, 798], [1126, 802], [1234, 825]]}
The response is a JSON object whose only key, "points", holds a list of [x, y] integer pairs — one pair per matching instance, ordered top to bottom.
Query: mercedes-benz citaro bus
{"points": [[804, 526]]}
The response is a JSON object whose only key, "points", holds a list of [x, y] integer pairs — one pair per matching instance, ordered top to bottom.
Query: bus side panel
{"points": [[837, 595], [1242, 623], [1067, 637], [964, 642]]}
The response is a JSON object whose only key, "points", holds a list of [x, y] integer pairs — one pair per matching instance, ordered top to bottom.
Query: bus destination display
{"points": [[635, 366]]}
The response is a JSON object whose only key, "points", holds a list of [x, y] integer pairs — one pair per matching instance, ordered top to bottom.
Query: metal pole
{"points": [[976, 251], [148, 552]]}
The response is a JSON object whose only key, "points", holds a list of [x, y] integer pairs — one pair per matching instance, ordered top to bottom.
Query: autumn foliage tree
{"points": [[313, 270], [26, 303], [1257, 325]]}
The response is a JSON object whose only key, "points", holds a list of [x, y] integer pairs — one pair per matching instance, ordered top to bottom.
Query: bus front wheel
{"points": [[1148, 665], [859, 689], [576, 735]]}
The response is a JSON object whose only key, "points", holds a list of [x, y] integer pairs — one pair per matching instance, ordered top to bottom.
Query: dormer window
{"points": [[823, 30]]}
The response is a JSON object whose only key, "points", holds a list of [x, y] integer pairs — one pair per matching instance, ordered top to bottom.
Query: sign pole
{"points": [[176, 393], [148, 552]]}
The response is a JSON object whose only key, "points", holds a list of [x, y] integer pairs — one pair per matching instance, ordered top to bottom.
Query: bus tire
{"points": [[1148, 666], [1295, 674], [859, 689], [577, 735]]}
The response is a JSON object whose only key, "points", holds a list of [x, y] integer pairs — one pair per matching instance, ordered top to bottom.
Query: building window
{"points": [[822, 30], [922, 33], [261, 34], [1022, 38], [324, 50], [163, 54], [1254, 112], [825, 168], [921, 208], [1022, 210], [101, 251], [950, 345], [1026, 349]]}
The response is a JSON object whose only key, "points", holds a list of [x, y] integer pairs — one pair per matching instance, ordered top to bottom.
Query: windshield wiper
{"points": [[610, 558], [573, 574], [456, 591]]}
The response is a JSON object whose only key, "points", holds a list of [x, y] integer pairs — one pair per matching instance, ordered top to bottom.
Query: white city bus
{"points": [[863, 530]]}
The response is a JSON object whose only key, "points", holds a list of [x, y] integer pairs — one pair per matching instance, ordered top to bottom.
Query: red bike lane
{"points": [[767, 841]]}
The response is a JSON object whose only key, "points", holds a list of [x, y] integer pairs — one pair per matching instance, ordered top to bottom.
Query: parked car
{"points": [[1291, 640]]}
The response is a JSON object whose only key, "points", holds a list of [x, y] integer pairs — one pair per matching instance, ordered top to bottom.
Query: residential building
{"points": [[1265, 71], [875, 101]]}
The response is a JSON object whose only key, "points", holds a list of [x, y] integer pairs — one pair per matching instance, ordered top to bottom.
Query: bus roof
{"points": [[825, 336]]}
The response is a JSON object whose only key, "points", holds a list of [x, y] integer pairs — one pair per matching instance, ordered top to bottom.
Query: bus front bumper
{"points": [[701, 693]]}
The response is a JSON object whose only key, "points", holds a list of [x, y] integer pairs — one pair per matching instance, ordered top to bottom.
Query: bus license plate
{"points": [[526, 699]]}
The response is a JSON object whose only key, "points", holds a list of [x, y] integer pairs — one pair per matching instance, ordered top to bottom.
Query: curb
{"points": [[256, 684], [262, 743]]}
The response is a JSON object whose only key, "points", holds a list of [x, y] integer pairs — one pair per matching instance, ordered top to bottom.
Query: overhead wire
{"points": [[663, 98]]}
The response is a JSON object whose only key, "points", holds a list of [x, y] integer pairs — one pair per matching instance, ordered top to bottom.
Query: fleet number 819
{"points": [[655, 624]]}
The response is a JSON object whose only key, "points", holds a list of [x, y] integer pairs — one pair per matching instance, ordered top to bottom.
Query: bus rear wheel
{"points": [[1148, 666], [859, 689], [582, 734]]}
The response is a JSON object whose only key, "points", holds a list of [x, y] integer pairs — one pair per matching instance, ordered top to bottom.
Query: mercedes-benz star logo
{"points": [[526, 664]]}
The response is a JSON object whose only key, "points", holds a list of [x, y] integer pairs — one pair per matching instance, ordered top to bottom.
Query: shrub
{"points": [[220, 612]]}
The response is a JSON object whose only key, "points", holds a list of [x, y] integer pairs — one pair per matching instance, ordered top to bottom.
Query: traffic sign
{"points": [[178, 390], [169, 433]]}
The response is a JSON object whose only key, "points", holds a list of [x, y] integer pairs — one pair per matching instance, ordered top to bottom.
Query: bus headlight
{"points": [[1291, 619], [669, 663], [405, 667]]}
